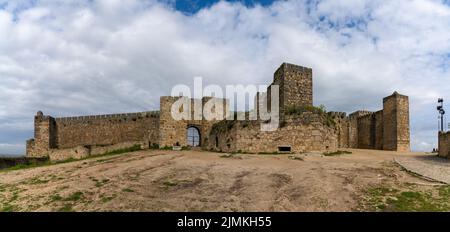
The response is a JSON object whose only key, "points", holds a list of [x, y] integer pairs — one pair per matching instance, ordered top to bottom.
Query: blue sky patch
{"points": [[193, 6]]}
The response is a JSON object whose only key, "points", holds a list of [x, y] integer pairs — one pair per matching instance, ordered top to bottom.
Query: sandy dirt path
{"points": [[157, 180]]}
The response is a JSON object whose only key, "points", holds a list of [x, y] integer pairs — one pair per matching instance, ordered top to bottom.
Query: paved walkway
{"points": [[429, 166]]}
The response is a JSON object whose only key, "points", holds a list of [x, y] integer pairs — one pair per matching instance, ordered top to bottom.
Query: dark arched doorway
{"points": [[193, 136]]}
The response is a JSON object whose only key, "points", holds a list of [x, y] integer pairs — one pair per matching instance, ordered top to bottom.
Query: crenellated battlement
{"points": [[288, 67], [360, 113], [152, 114], [335, 114]]}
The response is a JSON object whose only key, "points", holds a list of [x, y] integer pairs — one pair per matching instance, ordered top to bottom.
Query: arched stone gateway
{"points": [[193, 136]]}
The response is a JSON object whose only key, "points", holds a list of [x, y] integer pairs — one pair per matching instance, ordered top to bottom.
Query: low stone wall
{"points": [[299, 133], [444, 145], [99, 150], [81, 152]]}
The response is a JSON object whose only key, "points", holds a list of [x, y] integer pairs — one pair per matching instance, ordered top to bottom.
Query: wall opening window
{"points": [[284, 149]]}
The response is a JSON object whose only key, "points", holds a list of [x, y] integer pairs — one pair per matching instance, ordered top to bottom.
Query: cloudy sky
{"points": [[105, 56]]}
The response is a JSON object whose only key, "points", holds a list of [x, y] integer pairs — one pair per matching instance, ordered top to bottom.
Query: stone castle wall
{"points": [[342, 124], [302, 126], [378, 126], [107, 129], [386, 129], [100, 130], [353, 130], [370, 130], [305, 132], [365, 132], [403, 135], [444, 144]]}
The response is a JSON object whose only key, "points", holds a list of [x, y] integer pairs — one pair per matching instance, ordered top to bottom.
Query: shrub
{"points": [[301, 109], [154, 146], [166, 148], [339, 152]]}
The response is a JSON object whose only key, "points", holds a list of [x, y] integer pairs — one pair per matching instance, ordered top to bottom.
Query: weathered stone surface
{"points": [[78, 152], [81, 152]]}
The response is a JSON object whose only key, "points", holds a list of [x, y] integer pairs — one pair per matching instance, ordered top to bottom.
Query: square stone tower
{"points": [[295, 86], [396, 123], [44, 136]]}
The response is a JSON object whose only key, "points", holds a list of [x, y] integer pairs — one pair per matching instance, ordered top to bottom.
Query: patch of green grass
{"points": [[135, 147], [185, 148], [241, 152], [270, 153], [335, 153], [26, 166], [37, 180], [100, 183], [170, 183], [179, 183], [128, 190], [444, 191], [74, 196], [14, 197], [56, 197], [108, 199], [388, 199], [416, 201], [7, 204], [8, 208], [66, 208]]}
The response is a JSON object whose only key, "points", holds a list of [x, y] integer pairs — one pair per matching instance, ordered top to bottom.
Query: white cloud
{"points": [[83, 57]]}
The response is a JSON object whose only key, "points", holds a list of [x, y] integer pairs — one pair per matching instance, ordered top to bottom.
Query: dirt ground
{"points": [[158, 180]]}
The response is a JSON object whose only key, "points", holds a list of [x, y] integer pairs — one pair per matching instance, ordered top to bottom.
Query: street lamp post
{"points": [[441, 110]]}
